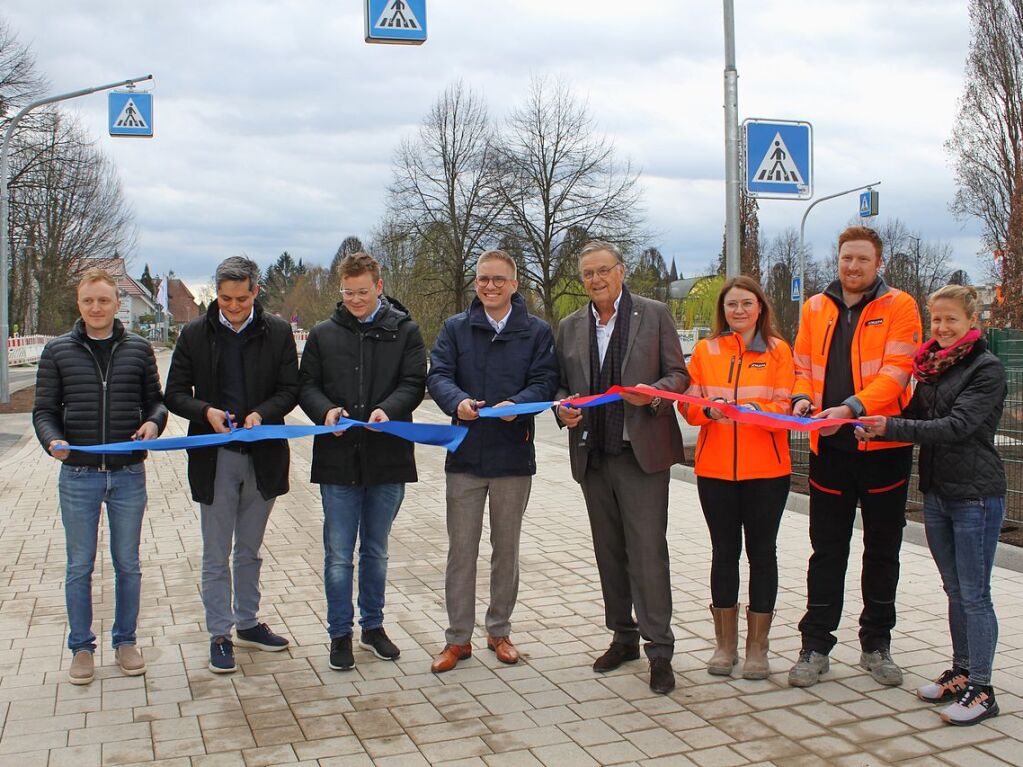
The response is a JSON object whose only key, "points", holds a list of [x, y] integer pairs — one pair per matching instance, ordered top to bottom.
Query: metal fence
{"points": [[1009, 439]]}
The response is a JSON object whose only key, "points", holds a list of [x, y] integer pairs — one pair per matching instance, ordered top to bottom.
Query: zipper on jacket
{"points": [[827, 332], [731, 367], [103, 402], [735, 425]]}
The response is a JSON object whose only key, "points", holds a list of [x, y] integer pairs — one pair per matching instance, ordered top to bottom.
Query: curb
{"points": [[1009, 557]]}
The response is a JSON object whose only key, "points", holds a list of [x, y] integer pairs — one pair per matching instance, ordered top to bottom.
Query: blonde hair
{"points": [[499, 255], [96, 275], [966, 295]]}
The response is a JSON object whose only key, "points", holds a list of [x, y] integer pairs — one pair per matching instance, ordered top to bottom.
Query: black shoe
{"points": [[261, 637], [376, 640], [222, 656], [615, 656], [341, 658], [662, 678]]}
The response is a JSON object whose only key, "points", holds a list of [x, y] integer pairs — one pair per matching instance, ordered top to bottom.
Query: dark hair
{"points": [[854, 233], [355, 264], [236, 269], [765, 322]]}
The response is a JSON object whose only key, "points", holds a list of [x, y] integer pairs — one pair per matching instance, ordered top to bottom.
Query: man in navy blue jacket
{"points": [[494, 354]]}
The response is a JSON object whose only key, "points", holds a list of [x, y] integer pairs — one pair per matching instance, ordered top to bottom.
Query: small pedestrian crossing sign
{"points": [[396, 21], [130, 113], [779, 159]]}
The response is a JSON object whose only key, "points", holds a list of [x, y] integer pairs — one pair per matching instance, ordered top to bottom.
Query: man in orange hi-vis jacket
{"points": [[853, 356]]}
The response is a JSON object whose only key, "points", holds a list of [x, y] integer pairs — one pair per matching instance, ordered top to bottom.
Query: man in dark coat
{"points": [[495, 354], [367, 362], [235, 367], [96, 385]]}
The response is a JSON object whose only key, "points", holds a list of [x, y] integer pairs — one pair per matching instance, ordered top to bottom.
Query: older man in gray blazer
{"points": [[621, 453]]}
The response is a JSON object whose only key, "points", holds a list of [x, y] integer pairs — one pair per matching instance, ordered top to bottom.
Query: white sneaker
{"points": [[975, 705]]}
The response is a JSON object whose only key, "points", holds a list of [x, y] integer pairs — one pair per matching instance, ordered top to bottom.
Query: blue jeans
{"points": [[82, 489], [366, 512], [963, 536]]}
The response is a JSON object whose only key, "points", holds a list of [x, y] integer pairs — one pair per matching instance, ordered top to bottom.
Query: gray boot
{"points": [[726, 634]]}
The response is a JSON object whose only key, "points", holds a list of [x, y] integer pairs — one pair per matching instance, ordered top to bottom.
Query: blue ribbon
{"points": [[531, 408], [449, 437]]}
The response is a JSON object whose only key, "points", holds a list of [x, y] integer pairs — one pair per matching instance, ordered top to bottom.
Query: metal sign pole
{"points": [[732, 234], [5, 389]]}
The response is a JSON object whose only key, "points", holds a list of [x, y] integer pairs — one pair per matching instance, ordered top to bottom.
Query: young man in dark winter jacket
{"points": [[495, 354], [368, 363], [235, 367], [96, 385]]}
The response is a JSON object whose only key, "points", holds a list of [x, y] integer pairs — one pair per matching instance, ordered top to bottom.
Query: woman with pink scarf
{"points": [[953, 415]]}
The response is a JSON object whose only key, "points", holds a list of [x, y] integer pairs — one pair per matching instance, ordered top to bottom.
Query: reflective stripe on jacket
{"points": [[886, 337], [761, 375]]}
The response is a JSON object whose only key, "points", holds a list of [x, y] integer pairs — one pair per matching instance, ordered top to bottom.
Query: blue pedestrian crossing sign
{"points": [[396, 21], [130, 113], [779, 159], [868, 204], [797, 290]]}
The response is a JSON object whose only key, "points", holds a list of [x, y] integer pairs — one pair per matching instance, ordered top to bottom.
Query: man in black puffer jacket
{"points": [[366, 362], [236, 366], [99, 384]]}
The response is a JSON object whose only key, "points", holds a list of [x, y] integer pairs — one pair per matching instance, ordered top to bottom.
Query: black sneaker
{"points": [[261, 637], [376, 640], [222, 656], [341, 658], [946, 687], [975, 705]]}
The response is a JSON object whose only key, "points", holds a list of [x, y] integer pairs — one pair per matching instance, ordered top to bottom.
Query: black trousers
{"points": [[879, 482], [753, 507], [628, 511]]}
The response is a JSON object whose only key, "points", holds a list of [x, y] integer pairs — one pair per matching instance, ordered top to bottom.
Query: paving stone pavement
{"points": [[550, 709]]}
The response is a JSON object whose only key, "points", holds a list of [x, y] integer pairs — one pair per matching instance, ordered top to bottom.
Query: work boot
{"points": [[758, 625], [726, 634], [881, 666]]}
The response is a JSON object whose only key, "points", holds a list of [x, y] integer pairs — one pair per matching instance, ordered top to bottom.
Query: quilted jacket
{"points": [[954, 420]]}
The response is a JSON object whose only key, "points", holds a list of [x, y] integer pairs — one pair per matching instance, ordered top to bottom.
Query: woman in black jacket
{"points": [[954, 414]]}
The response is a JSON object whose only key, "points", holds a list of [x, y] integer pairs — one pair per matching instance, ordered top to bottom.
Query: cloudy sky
{"points": [[276, 123]]}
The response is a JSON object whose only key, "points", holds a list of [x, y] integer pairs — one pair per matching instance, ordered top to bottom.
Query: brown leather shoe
{"points": [[503, 648], [449, 657]]}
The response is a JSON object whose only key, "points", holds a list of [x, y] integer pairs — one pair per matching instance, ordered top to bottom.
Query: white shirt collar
{"points": [[596, 314], [227, 323], [498, 325]]}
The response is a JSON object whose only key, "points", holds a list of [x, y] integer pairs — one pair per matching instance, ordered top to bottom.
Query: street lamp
{"points": [[5, 389]]}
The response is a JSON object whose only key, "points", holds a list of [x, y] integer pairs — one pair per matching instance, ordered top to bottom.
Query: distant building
{"points": [[183, 307]]}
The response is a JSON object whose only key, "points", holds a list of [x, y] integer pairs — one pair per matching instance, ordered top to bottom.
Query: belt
{"points": [[238, 447]]}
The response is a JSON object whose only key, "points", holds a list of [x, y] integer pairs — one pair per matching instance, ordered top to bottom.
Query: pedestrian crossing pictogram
{"points": [[398, 15], [130, 116], [778, 165]]}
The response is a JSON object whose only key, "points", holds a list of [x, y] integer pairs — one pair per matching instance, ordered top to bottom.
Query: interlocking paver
{"points": [[551, 709]]}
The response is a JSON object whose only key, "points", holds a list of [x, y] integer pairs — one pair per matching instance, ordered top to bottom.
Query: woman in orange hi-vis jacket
{"points": [[742, 471]]}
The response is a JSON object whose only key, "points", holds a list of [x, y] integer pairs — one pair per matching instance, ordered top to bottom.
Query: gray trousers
{"points": [[466, 496], [628, 511], [238, 512]]}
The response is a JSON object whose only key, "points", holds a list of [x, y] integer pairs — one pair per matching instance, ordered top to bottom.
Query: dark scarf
{"points": [[930, 360], [607, 421]]}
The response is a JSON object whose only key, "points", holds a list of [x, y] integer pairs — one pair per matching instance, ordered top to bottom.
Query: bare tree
{"points": [[19, 81], [987, 141], [558, 175], [443, 192], [67, 206], [782, 264], [911, 264], [312, 296]]}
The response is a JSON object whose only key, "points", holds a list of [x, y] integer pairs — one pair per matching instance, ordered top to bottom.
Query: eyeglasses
{"points": [[602, 272], [498, 282], [361, 293], [734, 306]]}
